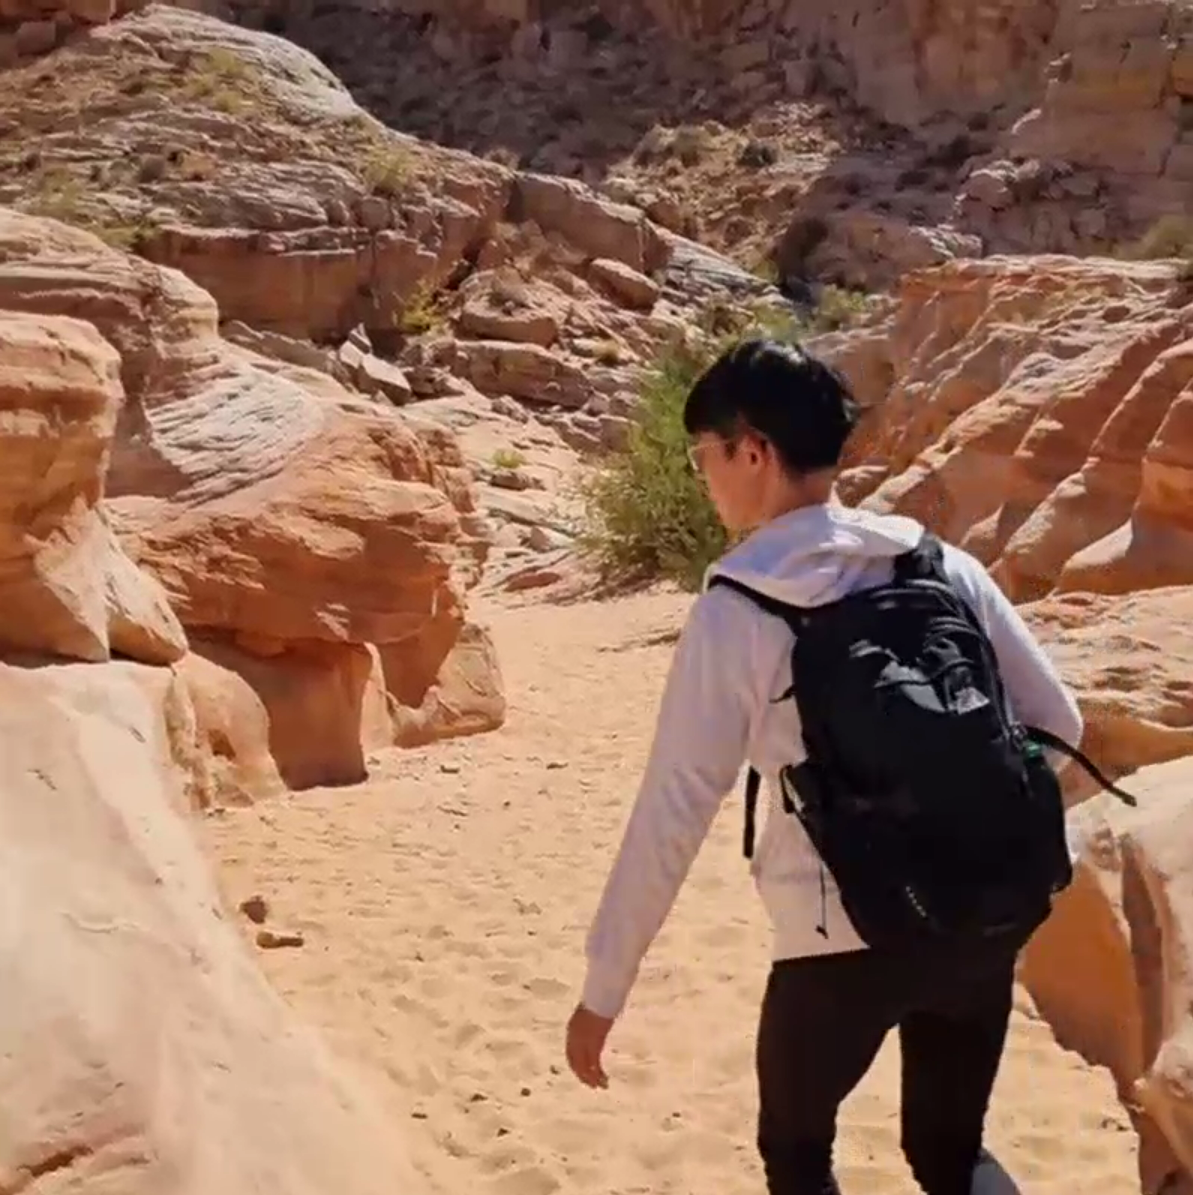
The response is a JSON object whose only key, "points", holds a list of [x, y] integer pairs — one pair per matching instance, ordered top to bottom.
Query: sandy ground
{"points": [[444, 906]]}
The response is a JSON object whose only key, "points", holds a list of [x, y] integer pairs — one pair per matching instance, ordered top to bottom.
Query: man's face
{"points": [[737, 475]]}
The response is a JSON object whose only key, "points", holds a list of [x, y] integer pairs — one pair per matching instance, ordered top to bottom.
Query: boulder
{"points": [[591, 223], [297, 527], [67, 588], [1129, 660], [1110, 970], [141, 1049]]}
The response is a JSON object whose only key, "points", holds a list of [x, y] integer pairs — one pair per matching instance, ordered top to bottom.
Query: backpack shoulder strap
{"points": [[925, 561], [792, 615], [795, 618], [753, 783]]}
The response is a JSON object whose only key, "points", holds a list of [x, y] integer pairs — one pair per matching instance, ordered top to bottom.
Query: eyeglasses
{"points": [[696, 451]]}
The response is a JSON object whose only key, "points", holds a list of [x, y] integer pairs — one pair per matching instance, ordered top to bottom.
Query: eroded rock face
{"points": [[29, 29], [976, 127], [240, 159], [1038, 414], [295, 526], [67, 588], [1129, 660], [108, 898], [1110, 971]]}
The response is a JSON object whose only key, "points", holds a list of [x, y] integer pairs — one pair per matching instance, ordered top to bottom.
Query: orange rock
{"points": [[594, 225], [625, 284], [500, 305], [1036, 415], [297, 527], [66, 587], [1130, 660], [465, 693], [316, 711], [233, 729], [120, 971], [1110, 971]]}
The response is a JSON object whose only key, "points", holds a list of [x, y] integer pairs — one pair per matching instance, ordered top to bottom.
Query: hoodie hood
{"points": [[816, 554]]}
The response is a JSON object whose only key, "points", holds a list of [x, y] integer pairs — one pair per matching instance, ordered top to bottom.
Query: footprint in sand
{"points": [[547, 989], [416, 1008], [464, 1035], [568, 1136], [498, 1161], [531, 1180]]}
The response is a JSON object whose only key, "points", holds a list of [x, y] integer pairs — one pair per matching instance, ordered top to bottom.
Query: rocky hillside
{"points": [[845, 142], [402, 270], [276, 386]]}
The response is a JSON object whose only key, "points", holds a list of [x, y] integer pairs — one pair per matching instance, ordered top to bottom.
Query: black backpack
{"points": [[937, 815]]}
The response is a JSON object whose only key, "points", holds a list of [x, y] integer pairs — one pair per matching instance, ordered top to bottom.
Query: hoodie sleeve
{"points": [[1035, 690], [700, 743]]}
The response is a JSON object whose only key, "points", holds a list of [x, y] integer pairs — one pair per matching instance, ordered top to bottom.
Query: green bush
{"points": [[1170, 236], [647, 514]]}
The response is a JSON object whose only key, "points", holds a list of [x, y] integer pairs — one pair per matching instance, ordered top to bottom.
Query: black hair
{"points": [[801, 405]]}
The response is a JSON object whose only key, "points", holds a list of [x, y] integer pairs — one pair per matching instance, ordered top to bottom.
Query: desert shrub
{"points": [[388, 171], [1170, 236], [838, 309], [421, 312], [508, 458], [647, 514]]}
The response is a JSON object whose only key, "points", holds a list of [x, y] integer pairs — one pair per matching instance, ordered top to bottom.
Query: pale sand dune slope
{"points": [[444, 905]]}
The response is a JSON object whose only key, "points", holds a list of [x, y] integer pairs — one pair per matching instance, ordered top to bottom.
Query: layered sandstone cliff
{"points": [[1037, 411], [308, 540], [141, 1049]]}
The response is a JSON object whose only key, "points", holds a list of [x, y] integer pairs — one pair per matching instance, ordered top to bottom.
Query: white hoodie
{"points": [[717, 714]]}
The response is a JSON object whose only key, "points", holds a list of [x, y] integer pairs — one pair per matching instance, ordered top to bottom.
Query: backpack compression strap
{"points": [[926, 560], [1047, 739]]}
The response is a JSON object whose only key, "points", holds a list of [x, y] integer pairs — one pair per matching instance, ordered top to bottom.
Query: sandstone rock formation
{"points": [[29, 29], [918, 131], [407, 272], [1037, 411], [309, 540], [67, 588], [1130, 662], [1110, 970], [141, 1049], [208, 1084]]}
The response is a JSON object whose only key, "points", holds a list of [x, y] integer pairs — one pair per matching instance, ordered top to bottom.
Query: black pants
{"points": [[823, 1021]]}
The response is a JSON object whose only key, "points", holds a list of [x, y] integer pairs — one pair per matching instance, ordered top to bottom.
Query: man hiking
{"points": [[908, 853]]}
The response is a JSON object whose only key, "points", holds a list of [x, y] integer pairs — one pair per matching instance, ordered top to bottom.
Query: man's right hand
{"points": [[586, 1036]]}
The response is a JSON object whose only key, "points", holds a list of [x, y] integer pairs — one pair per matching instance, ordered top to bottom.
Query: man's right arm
{"points": [[1034, 687]]}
